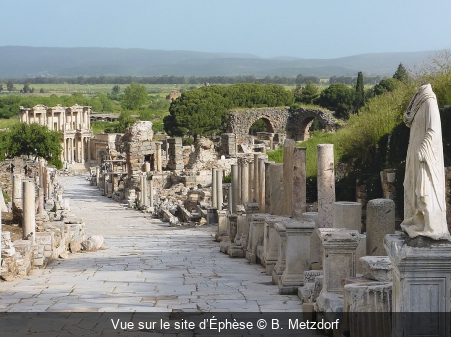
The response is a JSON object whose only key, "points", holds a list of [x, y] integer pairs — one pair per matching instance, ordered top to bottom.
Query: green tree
{"points": [[401, 74], [10, 85], [385, 85], [1, 87], [26, 88], [116, 89], [359, 92], [306, 94], [135, 95], [338, 97], [203, 111], [124, 121], [31, 139]]}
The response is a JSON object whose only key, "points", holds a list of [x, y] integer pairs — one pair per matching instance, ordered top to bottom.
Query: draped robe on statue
{"points": [[424, 182]]}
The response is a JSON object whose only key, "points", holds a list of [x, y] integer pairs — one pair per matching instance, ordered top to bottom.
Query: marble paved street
{"points": [[148, 267]]}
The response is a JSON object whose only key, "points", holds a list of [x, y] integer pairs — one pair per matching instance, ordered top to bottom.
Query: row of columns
{"points": [[73, 119], [74, 149]]}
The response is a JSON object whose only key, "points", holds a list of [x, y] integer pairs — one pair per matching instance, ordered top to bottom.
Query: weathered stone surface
{"points": [[139, 132], [288, 166], [299, 183], [326, 185], [276, 189], [348, 215], [380, 221], [93, 242], [297, 255], [377, 268]]}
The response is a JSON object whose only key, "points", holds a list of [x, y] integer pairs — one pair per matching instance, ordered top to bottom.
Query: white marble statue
{"points": [[424, 182]]}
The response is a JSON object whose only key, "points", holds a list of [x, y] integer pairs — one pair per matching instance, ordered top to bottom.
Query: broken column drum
{"points": [[348, 215], [380, 221]]}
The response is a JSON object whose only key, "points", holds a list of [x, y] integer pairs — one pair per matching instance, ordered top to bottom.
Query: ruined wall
{"points": [[281, 120]]}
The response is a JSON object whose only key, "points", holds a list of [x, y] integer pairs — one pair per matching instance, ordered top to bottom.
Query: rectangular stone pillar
{"points": [[175, 150], [288, 165], [97, 175], [326, 185], [276, 189], [299, 200], [251, 208], [29, 211], [212, 215], [222, 225], [256, 228], [271, 243], [339, 246], [297, 255], [279, 267], [421, 285]]}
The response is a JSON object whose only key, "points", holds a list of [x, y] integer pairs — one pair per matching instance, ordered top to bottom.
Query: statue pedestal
{"points": [[421, 285]]}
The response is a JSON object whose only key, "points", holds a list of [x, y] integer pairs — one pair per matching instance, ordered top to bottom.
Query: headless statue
{"points": [[424, 182]]}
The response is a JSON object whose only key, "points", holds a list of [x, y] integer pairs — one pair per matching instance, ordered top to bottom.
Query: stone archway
{"points": [[295, 123], [267, 126]]}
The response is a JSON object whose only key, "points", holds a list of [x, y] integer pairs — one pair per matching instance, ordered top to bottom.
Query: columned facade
{"points": [[73, 123]]}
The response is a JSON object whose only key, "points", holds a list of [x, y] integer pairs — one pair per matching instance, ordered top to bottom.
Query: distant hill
{"points": [[18, 62]]}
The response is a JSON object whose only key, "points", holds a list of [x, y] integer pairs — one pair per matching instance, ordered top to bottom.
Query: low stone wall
{"points": [[55, 241]]}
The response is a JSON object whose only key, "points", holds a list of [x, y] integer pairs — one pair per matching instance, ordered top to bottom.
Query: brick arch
{"points": [[294, 123]]}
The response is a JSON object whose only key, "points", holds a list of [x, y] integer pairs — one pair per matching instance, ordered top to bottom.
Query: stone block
{"points": [[348, 215], [380, 221], [377, 268]]}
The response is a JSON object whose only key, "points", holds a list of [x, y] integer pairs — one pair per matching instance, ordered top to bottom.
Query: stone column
{"points": [[158, 155], [288, 165], [146, 167], [234, 170], [41, 172], [97, 175], [257, 177], [244, 182], [251, 182], [261, 185], [326, 185], [276, 189], [17, 191], [145, 193], [214, 193], [151, 194], [220, 196], [229, 199], [239, 200], [267, 200], [299, 200], [41, 201], [348, 215], [29, 220], [380, 221], [339, 246], [297, 255], [421, 285]]}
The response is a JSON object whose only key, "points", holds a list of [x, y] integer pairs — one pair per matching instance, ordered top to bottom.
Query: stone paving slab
{"points": [[148, 267]]}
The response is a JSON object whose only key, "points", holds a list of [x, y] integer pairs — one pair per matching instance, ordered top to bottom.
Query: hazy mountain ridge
{"points": [[52, 61]]}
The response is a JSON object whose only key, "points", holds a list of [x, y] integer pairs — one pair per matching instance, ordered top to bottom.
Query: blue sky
{"points": [[298, 28]]}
